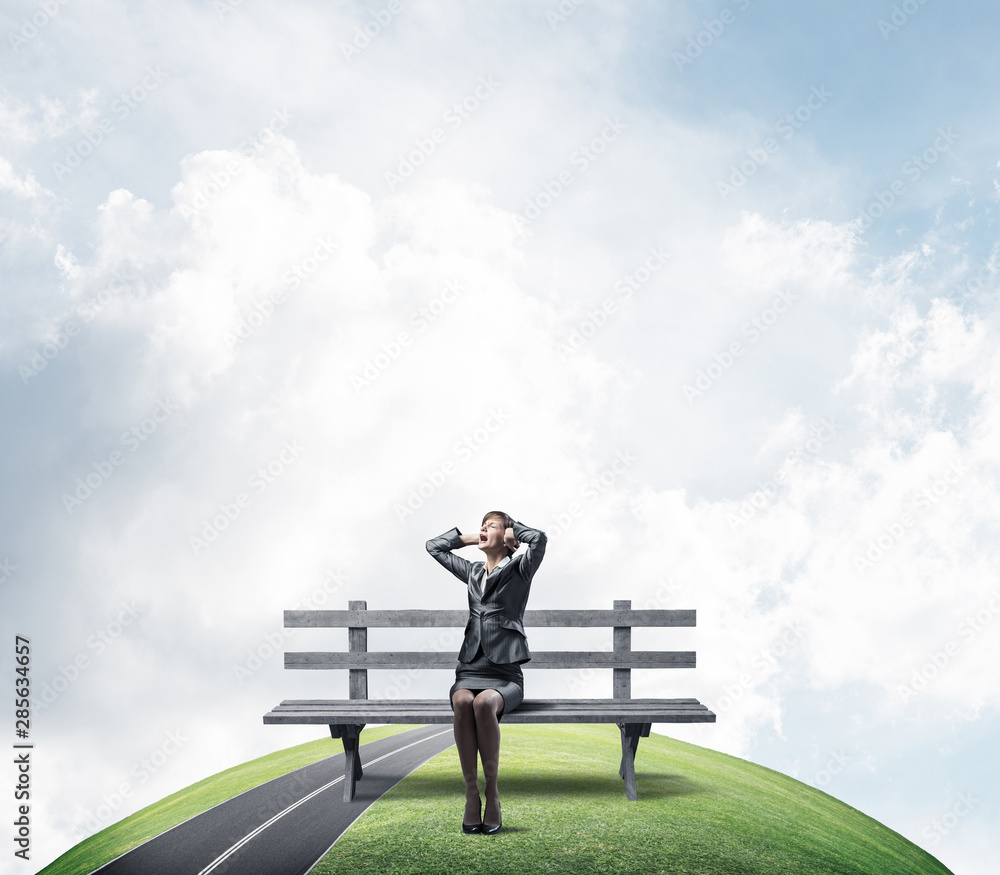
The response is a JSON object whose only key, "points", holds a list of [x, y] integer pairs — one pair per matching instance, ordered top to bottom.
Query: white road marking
{"points": [[225, 855]]}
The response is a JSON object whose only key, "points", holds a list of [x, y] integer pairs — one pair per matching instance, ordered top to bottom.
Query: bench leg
{"points": [[631, 732], [350, 734]]}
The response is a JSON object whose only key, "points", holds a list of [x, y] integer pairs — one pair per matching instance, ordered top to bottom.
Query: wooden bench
{"points": [[347, 717]]}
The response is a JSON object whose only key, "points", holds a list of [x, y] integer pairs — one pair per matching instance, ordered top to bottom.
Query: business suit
{"points": [[495, 644]]}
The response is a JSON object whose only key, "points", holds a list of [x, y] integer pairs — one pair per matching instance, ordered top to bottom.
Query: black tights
{"points": [[477, 733]]}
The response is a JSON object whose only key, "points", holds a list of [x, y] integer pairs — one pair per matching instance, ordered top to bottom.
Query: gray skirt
{"points": [[481, 674]]}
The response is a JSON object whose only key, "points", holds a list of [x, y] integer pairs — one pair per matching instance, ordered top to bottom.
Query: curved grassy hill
{"points": [[699, 812]]}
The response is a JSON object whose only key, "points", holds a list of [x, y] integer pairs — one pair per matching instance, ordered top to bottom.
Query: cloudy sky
{"points": [[705, 290]]}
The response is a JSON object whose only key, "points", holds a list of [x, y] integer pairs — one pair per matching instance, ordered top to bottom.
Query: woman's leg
{"points": [[488, 706], [466, 740]]}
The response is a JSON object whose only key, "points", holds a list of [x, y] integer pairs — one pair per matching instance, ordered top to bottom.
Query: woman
{"points": [[488, 678]]}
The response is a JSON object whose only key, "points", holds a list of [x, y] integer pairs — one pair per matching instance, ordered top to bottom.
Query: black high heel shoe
{"points": [[474, 827], [491, 829]]}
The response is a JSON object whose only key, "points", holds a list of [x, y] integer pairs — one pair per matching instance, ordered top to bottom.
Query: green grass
{"points": [[564, 811], [133, 830]]}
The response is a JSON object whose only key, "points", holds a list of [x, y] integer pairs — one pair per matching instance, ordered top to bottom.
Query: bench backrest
{"points": [[358, 619]]}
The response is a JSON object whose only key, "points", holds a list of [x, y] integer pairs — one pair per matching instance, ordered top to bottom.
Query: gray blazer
{"points": [[496, 609]]}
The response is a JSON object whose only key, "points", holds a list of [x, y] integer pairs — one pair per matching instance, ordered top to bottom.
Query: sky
{"points": [[704, 290]]}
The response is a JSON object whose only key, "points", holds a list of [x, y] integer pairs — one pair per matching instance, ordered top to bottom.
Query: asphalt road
{"points": [[285, 826]]}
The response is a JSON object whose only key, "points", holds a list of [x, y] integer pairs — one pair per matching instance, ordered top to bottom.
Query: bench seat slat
{"points": [[458, 619], [542, 659], [539, 703], [443, 707], [318, 711], [663, 715], [681, 715], [568, 717]]}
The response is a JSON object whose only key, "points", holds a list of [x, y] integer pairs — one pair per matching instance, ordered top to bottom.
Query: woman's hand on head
{"points": [[509, 540]]}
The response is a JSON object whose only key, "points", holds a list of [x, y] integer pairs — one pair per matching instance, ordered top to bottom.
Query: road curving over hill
{"points": [[286, 825]]}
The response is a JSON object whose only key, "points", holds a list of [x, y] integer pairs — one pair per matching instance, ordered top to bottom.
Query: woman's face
{"points": [[491, 534]]}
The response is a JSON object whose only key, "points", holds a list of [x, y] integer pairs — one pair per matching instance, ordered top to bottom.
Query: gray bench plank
{"points": [[458, 619], [544, 659], [536, 703], [444, 708], [630, 711], [321, 718]]}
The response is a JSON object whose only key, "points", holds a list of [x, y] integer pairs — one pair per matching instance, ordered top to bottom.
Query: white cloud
{"points": [[22, 185]]}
